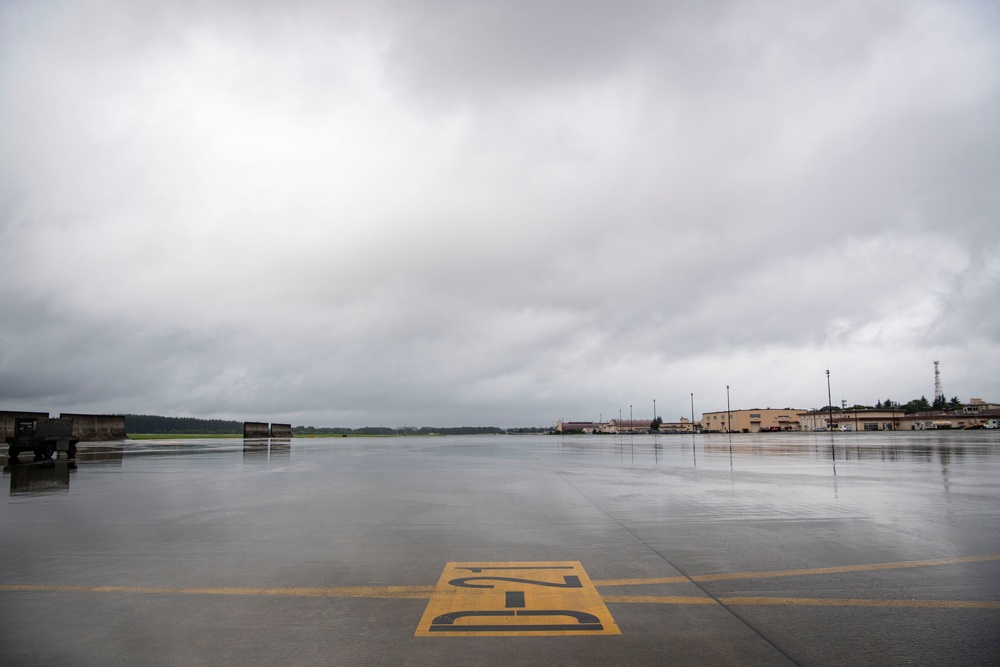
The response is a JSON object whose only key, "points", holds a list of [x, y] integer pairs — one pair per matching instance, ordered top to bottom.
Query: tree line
{"points": [[912, 407], [155, 424], [181, 425], [386, 430]]}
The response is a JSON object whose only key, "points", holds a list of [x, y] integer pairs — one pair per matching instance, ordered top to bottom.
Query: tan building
{"points": [[977, 405], [851, 420], [896, 420], [751, 421], [929, 421], [628, 425], [683, 426]]}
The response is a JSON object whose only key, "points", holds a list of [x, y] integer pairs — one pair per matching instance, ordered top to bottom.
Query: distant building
{"points": [[977, 405], [942, 419], [852, 420], [896, 420], [751, 421], [628, 425], [685, 425], [578, 427]]}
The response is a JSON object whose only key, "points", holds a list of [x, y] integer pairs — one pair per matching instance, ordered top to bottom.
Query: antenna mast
{"points": [[938, 392]]}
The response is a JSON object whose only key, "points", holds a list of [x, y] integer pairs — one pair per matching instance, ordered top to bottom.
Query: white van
{"points": [[992, 423], [846, 427]]}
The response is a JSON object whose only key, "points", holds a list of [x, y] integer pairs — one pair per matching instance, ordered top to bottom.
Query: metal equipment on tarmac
{"points": [[42, 436]]}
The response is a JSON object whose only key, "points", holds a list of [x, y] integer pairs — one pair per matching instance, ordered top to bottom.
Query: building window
{"points": [[754, 415]]}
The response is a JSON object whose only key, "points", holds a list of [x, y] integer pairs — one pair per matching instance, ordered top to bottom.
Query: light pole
{"points": [[829, 397], [692, 412], [729, 413], [629, 417]]}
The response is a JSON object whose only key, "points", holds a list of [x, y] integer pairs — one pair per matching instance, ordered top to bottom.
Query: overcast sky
{"points": [[495, 213]]}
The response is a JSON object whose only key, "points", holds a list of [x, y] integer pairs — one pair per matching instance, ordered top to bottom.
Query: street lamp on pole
{"points": [[829, 397], [729, 413]]}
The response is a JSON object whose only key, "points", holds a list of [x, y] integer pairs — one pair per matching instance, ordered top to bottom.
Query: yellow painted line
{"points": [[730, 576], [605, 583], [392, 592], [426, 592], [515, 599], [658, 599], [804, 602], [834, 602]]}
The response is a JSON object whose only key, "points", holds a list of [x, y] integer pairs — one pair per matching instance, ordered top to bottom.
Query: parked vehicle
{"points": [[992, 423], [43, 437]]}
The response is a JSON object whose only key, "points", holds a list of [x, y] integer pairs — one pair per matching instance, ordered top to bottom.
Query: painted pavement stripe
{"points": [[730, 576], [406, 592], [425, 592], [515, 599], [803, 602], [834, 602]]}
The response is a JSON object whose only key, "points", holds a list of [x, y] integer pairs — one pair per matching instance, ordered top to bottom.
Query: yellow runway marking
{"points": [[730, 576], [391, 592], [426, 592], [515, 599], [658, 599], [804, 602], [834, 602]]}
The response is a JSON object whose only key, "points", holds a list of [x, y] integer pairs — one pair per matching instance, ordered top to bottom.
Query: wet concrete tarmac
{"points": [[811, 549]]}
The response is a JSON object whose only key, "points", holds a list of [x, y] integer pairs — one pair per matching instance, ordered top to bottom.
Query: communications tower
{"points": [[938, 392]]}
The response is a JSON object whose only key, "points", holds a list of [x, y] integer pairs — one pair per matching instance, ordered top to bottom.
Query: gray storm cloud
{"points": [[494, 213]]}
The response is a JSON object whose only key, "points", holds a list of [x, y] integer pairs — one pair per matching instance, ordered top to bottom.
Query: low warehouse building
{"points": [[751, 421]]}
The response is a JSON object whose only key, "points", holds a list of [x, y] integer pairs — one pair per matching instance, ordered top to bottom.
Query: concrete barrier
{"points": [[7, 418], [97, 427], [256, 430], [281, 430]]}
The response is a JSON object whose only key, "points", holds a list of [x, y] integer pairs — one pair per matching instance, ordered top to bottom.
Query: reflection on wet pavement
{"points": [[39, 477], [763, 548]]}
